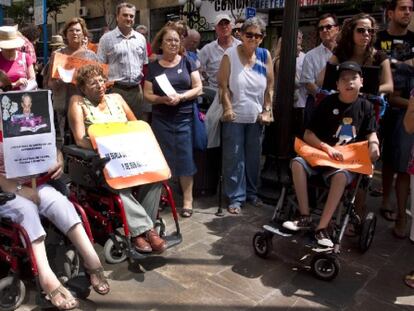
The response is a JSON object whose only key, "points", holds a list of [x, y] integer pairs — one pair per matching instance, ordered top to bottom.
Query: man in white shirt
{"points": [[125, 51], [212, 53], [315, 60]]}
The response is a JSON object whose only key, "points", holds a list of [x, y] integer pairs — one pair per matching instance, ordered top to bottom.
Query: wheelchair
{"points": [[104, 208], [16, 255], [324, 263]]}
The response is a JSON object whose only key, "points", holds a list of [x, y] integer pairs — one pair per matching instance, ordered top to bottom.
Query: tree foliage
{"points": [[56, 6]]}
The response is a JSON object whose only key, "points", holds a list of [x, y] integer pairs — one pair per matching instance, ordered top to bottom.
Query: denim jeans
{"points": [[242, 145]]}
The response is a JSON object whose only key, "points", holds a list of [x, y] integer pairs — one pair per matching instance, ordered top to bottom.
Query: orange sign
{"points": [[65, 66], [134, 153], [356, 156]]}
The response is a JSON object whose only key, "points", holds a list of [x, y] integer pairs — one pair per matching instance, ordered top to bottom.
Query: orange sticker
{"points": [[134, 153], [356, 156]]}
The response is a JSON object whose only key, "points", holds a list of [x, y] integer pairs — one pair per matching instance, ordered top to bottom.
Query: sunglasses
{"points": [[327, 27], [363, 30], [251, 35]]}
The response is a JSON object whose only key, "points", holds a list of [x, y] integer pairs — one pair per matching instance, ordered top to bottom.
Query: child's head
{"points": [[349, 80], [26, 103]]}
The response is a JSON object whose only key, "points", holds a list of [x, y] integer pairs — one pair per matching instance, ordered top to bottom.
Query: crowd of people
{"points": [[242, 74]]}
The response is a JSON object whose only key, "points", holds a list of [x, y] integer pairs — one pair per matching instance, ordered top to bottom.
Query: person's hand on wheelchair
{"points": [[374, 151]]}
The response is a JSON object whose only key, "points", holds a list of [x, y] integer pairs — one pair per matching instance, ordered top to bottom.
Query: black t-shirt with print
{"points": [[397, 47], [335, 122]]}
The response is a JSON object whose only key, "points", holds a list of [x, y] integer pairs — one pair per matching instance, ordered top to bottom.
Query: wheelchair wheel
{"points": [[160, 227], [367, 232], [262, 244], [114, 255], [71, 264], [325, 267], [12, 293]]}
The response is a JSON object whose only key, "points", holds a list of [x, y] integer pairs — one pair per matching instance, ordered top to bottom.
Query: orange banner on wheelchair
{"points": [[64, 67], [135, 157], [356, 157]]}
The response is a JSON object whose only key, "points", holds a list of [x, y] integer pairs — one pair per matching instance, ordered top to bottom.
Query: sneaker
{"points": [[302, 223], [323, 239]]}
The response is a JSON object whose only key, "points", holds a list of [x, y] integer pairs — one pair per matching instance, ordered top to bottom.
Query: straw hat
{"points": [[9, 39], [56, 40]]}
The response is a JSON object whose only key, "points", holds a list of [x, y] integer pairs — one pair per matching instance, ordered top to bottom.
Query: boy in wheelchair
{"points": [[339, 119]]}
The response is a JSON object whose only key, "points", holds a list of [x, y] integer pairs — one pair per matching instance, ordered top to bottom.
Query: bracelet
{"points": [[373, 142], [19, 187]]}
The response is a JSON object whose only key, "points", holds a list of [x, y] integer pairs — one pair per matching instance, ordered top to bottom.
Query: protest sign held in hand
{"points": [[29, 144], [355, 156], [135, 157]]}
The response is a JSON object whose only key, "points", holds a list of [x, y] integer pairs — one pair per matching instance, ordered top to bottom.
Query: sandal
{"points": [[234, 210], [186, 212], [388, 214], [409, 279], [102, 281], [68, 303]]}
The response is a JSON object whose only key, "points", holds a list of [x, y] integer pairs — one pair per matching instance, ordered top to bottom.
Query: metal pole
{"points": [[1, 15], [45, 37]]}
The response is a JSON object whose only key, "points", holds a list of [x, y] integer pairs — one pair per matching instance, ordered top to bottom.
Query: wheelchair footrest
{"points": [[173, 239]]}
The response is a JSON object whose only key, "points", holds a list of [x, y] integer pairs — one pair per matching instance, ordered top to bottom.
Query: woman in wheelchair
{"points": [[97, 107], [339, 117], [46, 201]]}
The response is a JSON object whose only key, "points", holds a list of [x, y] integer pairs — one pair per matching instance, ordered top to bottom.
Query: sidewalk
{"points": [[215, 268]]}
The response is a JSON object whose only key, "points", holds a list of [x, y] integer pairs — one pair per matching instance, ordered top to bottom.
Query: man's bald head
{"points": [[192, 41]]}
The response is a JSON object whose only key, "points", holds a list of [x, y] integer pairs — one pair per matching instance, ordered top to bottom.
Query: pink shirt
{"points": [[16, 69]]}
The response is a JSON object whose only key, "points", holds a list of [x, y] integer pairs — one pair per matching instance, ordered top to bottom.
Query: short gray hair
{"points": [[254, 22], [141, 27]]}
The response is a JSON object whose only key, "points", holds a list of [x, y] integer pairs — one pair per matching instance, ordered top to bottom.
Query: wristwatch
{"points": [[267, 109]]}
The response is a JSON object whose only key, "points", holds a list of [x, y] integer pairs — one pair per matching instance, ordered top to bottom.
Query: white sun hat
{"points": [[9, 39]]}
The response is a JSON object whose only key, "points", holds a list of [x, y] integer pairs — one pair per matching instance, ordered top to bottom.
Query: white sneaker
{"points": [[302, 223], [323, 239]]}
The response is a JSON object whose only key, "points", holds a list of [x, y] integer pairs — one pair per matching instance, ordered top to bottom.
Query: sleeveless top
{"points": [[247, 85], [113, 113]]}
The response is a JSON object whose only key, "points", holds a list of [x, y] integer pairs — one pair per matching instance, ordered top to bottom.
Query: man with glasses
{"points": [[398, 42], [125, 51], [212, 53], [315, 60]]}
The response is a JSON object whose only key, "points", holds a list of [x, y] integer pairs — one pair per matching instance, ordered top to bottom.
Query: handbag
{"points": [[199, 130]]}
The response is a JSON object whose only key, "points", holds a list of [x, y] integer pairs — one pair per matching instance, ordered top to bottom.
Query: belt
{"points": [[126, 86]]}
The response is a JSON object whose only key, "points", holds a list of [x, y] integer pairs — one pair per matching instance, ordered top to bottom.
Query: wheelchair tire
{"points": [[160, 227], [367, 232], [262, 244], [113, 255], [71, 264], [325, 267], [11, 296]]}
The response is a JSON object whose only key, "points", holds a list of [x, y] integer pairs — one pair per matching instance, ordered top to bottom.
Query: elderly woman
{"points": [[74, 32], [17, 65], [245, 89], [94, 106], [172, 114], [45, 201]]}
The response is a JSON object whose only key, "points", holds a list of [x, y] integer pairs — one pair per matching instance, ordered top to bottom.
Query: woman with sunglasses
{"points": [[356, 43], [245, 89]]}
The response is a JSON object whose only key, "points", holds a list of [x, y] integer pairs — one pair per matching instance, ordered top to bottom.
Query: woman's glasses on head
{"points": [[363, 30], [251, 35]]}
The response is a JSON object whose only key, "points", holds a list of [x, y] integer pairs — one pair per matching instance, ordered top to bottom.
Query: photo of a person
{"points": [[25, 113]]}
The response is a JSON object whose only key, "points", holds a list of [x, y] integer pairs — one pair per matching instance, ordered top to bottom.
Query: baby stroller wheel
{"points": [[160, 227], [367, 232], [262, 244], [112, 253], [325, 267], [12, 293]]}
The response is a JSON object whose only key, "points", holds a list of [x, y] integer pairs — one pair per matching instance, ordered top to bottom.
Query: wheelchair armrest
{"points": [[84, 154]]}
